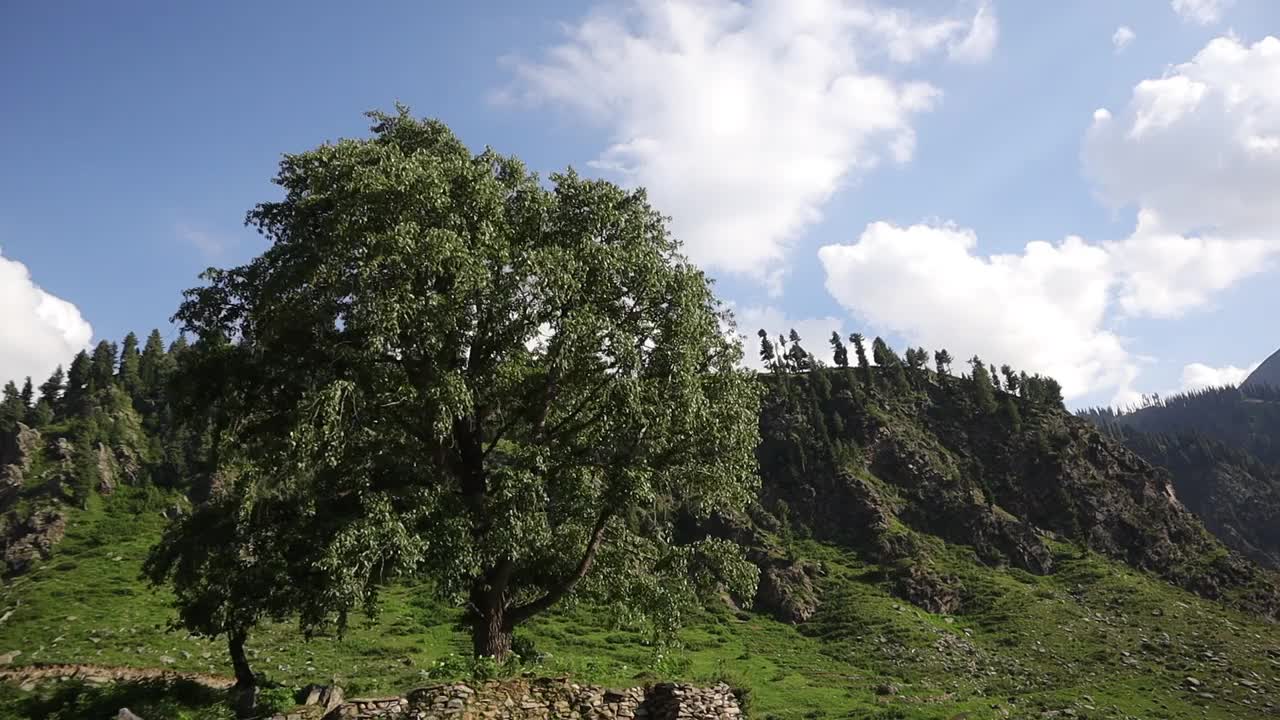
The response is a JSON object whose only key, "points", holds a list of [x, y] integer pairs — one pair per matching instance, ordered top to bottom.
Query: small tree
{"points": [[766, 349], [839, 353], [800, 358], [887, 359], [942, 361], [102, 366], [864, 367], [452, 370], [130, 373], [1011, 385], [51, 390], [983, 392], [27, 397], [76, 397], [11, 410], [227, 562]]}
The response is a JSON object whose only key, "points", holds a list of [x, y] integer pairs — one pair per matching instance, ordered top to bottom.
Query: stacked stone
{"points": [[544, 700], [675, 701], [368, 708]]}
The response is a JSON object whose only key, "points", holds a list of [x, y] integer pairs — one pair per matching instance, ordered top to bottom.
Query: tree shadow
{"points": [[147, 698]]}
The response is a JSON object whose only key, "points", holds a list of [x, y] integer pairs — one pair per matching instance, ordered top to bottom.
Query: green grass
{"points": [[1095, 637]]}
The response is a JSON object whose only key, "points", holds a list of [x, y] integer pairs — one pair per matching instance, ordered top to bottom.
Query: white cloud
{"points": [[1202, 12], [1122, 37], [980, 42], [743, 120], [1197, 151], [212, 246], [1040, 311], [39, 331], [815, 333], [1198, 375]]}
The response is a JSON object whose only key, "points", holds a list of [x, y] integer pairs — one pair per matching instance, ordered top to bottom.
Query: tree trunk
{"points": [[491, 632], [239, 661]]}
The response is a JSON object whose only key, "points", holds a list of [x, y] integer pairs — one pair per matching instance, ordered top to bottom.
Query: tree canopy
{"points": [[448, 368]]}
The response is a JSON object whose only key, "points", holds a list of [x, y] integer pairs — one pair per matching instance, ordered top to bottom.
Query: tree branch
{"points": [[533, 607]]}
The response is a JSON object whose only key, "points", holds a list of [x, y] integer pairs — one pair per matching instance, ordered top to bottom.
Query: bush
{"points": [[273, 700]]}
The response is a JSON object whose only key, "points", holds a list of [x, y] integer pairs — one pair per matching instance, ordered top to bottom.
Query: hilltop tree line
{"points": [[907, 372], [116, 396], [1245, 417]]}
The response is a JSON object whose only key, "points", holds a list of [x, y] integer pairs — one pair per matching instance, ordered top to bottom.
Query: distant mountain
{"points": [[1268, 373], [1221, 447]]}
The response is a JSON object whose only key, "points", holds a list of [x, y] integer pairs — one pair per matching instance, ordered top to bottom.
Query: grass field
{"points": [[1095, 639]]}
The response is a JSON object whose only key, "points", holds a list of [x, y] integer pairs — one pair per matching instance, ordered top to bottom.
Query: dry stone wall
{"points": [[538, 700]]}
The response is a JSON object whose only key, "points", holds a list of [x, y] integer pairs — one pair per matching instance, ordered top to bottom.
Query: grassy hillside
{"points": [[1095, 637]]}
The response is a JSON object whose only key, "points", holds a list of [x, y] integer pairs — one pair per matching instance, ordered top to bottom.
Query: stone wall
{"points": [[538, 700]]}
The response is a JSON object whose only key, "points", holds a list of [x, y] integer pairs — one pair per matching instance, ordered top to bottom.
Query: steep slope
{"points": [[1268, 373], [1221, 447], [877, 470], [1236, 495]]}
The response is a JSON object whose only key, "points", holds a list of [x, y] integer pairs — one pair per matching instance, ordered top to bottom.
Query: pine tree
{"points": [[839, 352], [801, 360], [942, 360], [151, 364], [891, 364], [102, 366], [864, 367], [130, 374], [995, 376], [1010, 379], [51, 390], [983, 392], [27, 394], [75, 399], [11, 410], [1011, 411], [42, 415]]}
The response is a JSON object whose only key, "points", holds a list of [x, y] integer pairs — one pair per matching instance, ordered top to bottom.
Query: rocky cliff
{"points": [[885, 468]]}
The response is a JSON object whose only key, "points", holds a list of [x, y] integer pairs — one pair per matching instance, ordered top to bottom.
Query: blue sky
{"points": [[877, 167]]}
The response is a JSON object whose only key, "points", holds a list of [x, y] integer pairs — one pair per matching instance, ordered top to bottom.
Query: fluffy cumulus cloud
{"points": [[1201, 12], [1121, 38], [742, 119], [1197, 151], [1041, 310], [40, 331], [814, 332], [1198, 375]]}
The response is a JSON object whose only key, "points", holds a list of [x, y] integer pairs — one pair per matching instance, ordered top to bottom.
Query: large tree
{"points": [[448, 368]]}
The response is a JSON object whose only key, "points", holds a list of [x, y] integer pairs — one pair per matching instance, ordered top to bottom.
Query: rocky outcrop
{"points": [[16, 462], [106, 464], [25, 541], [926, 589], [787, 590], [531, 700]]}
